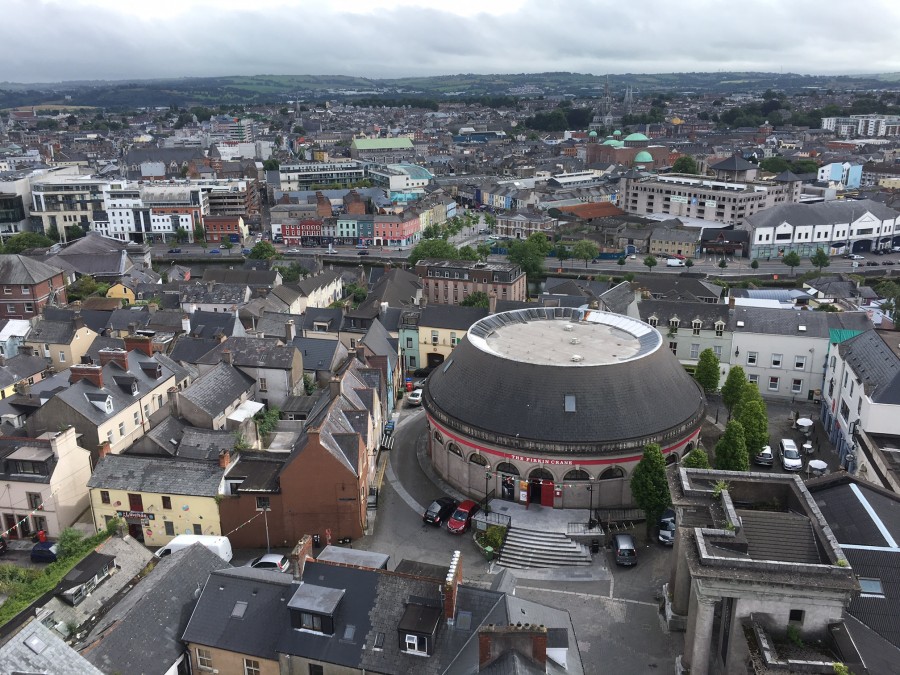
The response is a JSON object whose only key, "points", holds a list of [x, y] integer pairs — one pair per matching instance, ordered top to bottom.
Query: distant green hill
{"points": [[258, 89]]}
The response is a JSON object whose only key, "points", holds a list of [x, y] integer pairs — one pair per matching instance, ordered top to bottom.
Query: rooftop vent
{"points": [[740, 324], [569, 327], [801, 328], [574, 341], [577, 358]]}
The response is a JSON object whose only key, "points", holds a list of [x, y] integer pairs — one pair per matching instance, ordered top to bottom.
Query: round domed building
{"points": [[537, 405]]}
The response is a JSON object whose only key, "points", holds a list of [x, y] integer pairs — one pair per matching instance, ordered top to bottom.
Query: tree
{"points": [[300, 131], [685, 164], [271, 165], [774, 165], [199, 232], [181, 235], [26, 240], [227, 245], [433, 248], [585, 250], [263, 251], [484, 252], [467, 253], [563, 253], [530, 254], [820, 259], [792, 260], [621, 261], [650, 262], [689, 263], [723, 264], [755, 264], [292, 272], [476, 299], [707, 372], [309, 384], [733, 389], [753, 416], [267, 420], [731, 450], [696, 459], [649, 487], [69, 543]]}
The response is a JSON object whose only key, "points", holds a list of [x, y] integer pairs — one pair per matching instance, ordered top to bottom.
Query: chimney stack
{"points": [[492, 302], [731, 302], [77, 322], [186, 324], [290, 332], [141, 343], [117, 356], [227, 357], [2, 360], [94, 374], [334, 387], [173, 401], [105, 449], [224, 459], [300, 554], [451, 584], [528, 639]]}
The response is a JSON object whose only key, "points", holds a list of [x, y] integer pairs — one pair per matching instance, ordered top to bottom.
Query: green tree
{"points": [[685, 164], [271, 165], [774, 165], [805, 166], [490, 220], [199, 233], [181, 235], [26, 240], [227, 245], [433, 248], [585, 250], [263, 251], [484, 252], [562, 252], [467, 253], [530, 254], [820, 259], [792, 260], [620, 261], [650, 262], [689, 263], [723, 264], [755, 264], [292, 272], [356, 292], [476, 299], [707, 371], [309, 384], [733, 389], [753, 416], [267, 420], [731, 450], [696, 459], [649, 487], [69, 543]]}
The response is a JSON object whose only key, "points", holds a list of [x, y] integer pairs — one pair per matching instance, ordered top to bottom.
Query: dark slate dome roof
{"points": [[516, 373]]}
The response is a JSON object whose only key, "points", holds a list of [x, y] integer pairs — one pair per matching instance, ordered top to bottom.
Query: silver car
{"points": [[790, 456]]}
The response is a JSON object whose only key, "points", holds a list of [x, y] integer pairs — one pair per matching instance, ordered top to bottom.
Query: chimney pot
{"points": [[290, 331], [228, 357], [94, 374], [105, 449], [224, 459]]}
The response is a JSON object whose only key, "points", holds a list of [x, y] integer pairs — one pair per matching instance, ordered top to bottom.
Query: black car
{"points": [[174, 250], [362, 253], [887, 262], [872, 263], [440, 511], [667, 527]]}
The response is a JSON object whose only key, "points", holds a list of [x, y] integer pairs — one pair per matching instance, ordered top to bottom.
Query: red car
{"points": [[462, 518]]}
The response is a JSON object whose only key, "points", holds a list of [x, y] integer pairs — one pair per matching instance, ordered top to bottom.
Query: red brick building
{"points": [[220, 229], [296, 231], [27, 285], [319, 489]]}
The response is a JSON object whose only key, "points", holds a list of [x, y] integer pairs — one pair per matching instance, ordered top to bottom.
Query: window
{"points": [[7, 290], [29, 307], [11, 309], [653, 321], [673, 325], [696, 325], [720, 328], [434, 337], [453, 339], [409, 344], [674, 347], [717, 350], [695, 351], [62, 357], [752, 358], [776, 360], [833, 361], [799, 362], [753, 379], [262, 384], [773, 384], [796, 386], [146, 410], [845, 411], [137, 418], [122, 429], [109, 437], [104, 496], [34, 500], [135, 502], [167, 502], [262, 504], [170, 528], [198, 528], [871, 587], [796, 617], [310, 621], [415, 643], [204, 659], [251, 667], [316, 669]]}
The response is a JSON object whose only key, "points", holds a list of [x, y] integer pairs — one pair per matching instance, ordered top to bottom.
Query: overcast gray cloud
{"points": [[99, 39]]}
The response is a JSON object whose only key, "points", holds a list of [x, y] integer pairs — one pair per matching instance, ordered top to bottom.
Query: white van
{"points": [[674, 262], [218, 545]]}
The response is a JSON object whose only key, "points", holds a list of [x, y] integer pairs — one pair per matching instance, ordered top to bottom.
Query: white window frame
{"points": [[695, 350], [717, 350], [752, 358], [777, 360], [799, 363], [753, 378], [776, 381], [796, 386], [413, 644], [204, 659], [252, 669]]}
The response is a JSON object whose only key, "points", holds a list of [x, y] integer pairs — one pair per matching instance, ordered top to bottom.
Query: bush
{"points": [[493, 537]]}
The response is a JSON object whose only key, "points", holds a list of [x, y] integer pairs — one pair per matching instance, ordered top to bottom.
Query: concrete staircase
{"points": [[529, 549]]}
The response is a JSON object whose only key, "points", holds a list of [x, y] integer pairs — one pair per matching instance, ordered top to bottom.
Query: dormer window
{"points": [[653, 321], [673, 325], [696, 325], [720, 328], [101, 401], [312, 608]]}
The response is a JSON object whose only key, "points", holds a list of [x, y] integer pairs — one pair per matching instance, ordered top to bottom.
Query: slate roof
{"points": [[733, 163], [837, 211], [20, 269], [249, 277], [310, 284], [677, 287], [219, 294], [618, 298], [685, 312], [451, 317], [95, 319], [771, 321], [212, 324], [271, 324], [52, 332], [378, 341], [190, 350], [253, 352], [318, 353], [873, 361], [19, 367], [218, 388], [204, 444], [150, 474], [786, 537], [158, 606], [51, 656]]}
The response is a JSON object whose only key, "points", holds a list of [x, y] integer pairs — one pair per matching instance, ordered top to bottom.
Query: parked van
{"points": [[674, 262], [218, 545], [626, 553]]}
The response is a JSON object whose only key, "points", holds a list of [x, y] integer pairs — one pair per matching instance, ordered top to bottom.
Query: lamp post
{"points": [[487, 478], [266, 520], [591, 521]]}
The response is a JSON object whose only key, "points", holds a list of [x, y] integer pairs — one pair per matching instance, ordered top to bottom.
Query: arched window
{"points": [[438, 437], [454, 448], [688, 448], [475, 458], [672, 458], [506, 467], [612, 472], [540, 474], [577, 474]]}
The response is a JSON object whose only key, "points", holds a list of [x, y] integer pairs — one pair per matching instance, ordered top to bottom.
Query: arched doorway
{"points": [[434, 360], [672, 458], [508, 472], [611, 473], [576, 474], [540, 487]]}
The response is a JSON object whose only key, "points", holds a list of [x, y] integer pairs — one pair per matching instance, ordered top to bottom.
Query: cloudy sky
{"points": [[53, 40]]}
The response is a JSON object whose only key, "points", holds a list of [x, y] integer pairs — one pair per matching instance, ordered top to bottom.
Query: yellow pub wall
{"points": [[121, 291], [444, 344], [203, 511]]}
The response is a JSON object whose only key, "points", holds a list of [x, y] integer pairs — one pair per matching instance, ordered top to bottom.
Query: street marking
{"points": [[400, 490], [586, 596]]}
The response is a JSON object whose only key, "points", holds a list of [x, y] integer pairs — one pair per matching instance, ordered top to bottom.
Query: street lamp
{"points": [[487, 478], [591, 521]]}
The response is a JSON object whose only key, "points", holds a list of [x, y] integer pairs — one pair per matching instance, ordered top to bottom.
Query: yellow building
{"points": [[121, 291], [441, 327], [63, 342], [158, 498]]}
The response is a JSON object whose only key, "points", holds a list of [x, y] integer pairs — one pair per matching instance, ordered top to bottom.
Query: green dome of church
{"points": [[617, 133], [593, 134], [636, 137], [643, 157]]}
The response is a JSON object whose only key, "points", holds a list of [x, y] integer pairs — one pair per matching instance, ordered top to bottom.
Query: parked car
{"points": [[895, 249], [174, 250], [293, 250], [215, 251], [246, 251], [878, 251], [362, 253], [854, 256], [887, 262], [872, 263], [420, 383], [415, 397], [790, 456], [765, 457], [439, 511], [462, 517], [667, 527], [624, 550], [44, 551], [270, 561]]}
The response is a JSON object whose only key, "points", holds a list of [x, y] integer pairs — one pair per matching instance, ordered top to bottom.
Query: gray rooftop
{"points": [[218, 388], [158, 476], [35, 649]]}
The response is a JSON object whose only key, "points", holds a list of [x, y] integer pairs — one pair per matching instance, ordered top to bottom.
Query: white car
{"points": [[856, 257], [415, 397], [790, 456], [270, 561]]}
